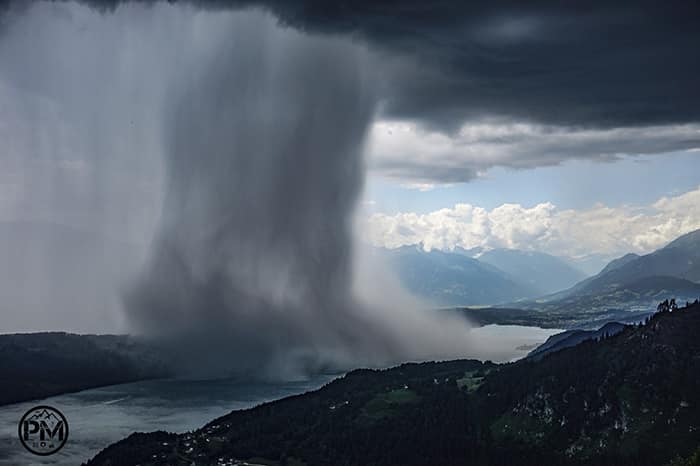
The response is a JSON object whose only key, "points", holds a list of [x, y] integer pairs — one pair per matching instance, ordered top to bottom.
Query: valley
{"points": [[597, 403]]}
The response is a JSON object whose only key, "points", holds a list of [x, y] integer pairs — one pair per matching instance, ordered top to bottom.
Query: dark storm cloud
{"points": [[600, 64], [411, 154]]}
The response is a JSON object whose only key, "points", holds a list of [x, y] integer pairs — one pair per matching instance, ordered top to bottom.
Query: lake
{"points": [[504, 343], [101, 416]]}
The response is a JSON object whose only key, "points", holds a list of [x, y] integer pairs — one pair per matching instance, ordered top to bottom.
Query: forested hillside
{"points": [[37, 365], [629, 399]]}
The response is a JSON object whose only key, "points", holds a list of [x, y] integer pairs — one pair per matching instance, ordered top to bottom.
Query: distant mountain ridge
{"points": [[679, 259], [619, 262], [542, 272], [478, 277], [452, 278], [629, 285], [571, 338]]}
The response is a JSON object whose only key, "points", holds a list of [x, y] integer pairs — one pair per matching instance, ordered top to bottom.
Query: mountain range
{"points": [[678, 263], [543, 273], [476, 277], [453, 278], [535, 281], [629, 285]]}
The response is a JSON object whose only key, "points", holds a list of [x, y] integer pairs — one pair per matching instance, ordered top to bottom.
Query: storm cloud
{"points": [[601, 64], [599, 74], [251, 136], [415, 155]]}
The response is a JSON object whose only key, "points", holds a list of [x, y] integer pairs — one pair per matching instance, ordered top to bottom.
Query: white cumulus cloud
{"points": [[598, 230]]}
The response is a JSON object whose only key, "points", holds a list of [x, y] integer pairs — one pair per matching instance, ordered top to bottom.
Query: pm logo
{"points": [[43, 430]]}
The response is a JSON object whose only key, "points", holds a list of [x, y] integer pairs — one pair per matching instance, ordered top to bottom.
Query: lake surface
{"points": [[504, 343], [102, 416]]}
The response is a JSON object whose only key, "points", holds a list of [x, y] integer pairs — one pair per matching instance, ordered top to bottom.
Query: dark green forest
{"points": [[38, 365]]}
